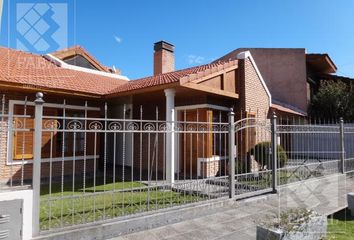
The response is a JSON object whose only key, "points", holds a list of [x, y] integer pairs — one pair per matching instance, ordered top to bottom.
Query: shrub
{"points": [[261, 153], [242, 166]]}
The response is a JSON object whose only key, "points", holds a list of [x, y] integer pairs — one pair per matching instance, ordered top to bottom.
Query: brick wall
{"points": [[164, 59], [281, 68], [256, 99], [254, 102], [210, 168], [15, 171]]}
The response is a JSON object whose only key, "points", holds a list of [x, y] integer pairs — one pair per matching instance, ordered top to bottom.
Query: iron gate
{"points": [[253, 156]]}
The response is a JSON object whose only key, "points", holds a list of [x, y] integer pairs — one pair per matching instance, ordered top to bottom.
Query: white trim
{"points": [[247, 54], [63, 64], [12, 103], [53, 105], [196, 106], [170, 136], [214, 158], [56, 159]]}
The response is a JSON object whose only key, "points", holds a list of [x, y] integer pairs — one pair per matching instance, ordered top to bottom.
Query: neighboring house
{"points": [[291, 74], [254, 82]]}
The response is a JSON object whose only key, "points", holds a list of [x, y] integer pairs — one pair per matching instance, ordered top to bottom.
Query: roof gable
{"points": [[78, 56], [194, 77]]}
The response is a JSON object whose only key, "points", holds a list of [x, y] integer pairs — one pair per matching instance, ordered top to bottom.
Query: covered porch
{"points": [[196, 146]]}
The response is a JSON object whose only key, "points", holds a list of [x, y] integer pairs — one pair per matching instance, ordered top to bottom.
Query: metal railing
{"points": [[311, 149], [115, 167], [89, 168]]}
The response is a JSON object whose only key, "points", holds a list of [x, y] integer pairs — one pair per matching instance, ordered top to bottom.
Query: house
{"points": [[23, 74], [291, 74], [254, 82]]}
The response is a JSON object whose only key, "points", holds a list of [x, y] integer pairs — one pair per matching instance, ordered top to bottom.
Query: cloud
{"points": [[118, 39], [193, 59]]}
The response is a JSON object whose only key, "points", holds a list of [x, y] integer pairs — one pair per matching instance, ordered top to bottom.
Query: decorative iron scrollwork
{"points": [[51, 124], [74, 125], [95, 125], [115, 126], [132, 126], [149, 127]]}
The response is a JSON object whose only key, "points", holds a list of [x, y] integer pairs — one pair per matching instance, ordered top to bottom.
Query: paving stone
{"points": [[237, 213], [215, 218], [185, 226], [165, 232], [205, 233], [146, 235], [184, 236], [236, 236]]}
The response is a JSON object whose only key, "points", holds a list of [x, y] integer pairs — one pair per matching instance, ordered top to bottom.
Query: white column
{"points": [[170, 140]]}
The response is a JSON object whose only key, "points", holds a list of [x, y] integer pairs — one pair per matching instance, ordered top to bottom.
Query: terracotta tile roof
{"points": [[34, 71], [172, 77]]}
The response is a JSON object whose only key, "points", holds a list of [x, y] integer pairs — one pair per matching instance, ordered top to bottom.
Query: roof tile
{"points": [[34, 70], [171, 77]]}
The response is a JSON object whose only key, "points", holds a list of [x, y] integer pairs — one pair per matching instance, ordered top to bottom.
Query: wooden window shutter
{"points": [[49, 137], [23, 140], [209, 142]]}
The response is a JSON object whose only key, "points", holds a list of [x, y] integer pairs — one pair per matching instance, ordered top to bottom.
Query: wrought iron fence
{"points": [[310, 150], [86, 168], [109, 168]]}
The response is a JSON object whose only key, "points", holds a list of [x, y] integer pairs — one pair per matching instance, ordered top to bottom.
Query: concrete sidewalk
{"points": [[325, 195]]}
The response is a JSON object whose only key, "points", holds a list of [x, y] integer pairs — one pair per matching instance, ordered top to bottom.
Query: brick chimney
{"points": [[164, 58]]}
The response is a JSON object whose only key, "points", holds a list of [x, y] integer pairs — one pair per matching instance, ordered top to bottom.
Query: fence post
{"points": [[37, 147], [342, 150], [231, 153], [274, 153]]}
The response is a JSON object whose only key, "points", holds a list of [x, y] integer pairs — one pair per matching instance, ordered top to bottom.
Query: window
{"points": [[23, 135], [70, 138], [219, 138], [21, 139]]}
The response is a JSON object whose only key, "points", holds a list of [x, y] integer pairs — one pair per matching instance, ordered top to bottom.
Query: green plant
{"points": [[334, 99], [262, 154], [242, 166], [288, 220], [340, 226]]}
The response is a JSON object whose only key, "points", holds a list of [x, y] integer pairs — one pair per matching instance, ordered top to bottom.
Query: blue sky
{"points": [[122, 32]]}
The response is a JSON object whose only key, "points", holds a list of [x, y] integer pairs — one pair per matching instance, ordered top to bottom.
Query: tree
{"points": [[333, 100]]}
